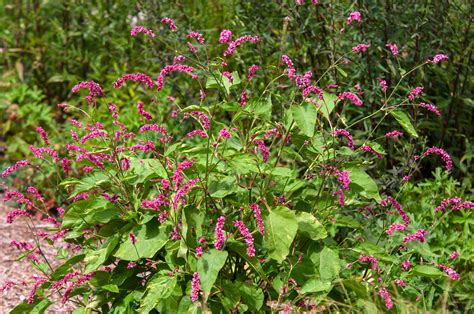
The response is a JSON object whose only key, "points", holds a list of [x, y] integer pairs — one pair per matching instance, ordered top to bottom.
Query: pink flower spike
{"points": [[354, 16], [170, 23], [140, 29], [197, 36], [225, 36], [239, 41], [360, 48], [393, 48], [438, 58], [172, 68], [252, 71], [136, 77], [415, 92], [352, 97], [431, 108], [142, 112], [200, 133], [224, 133], [394, 134], [43, 135], [347, 135], [443, 154], [16, 166], [258, 218], [395, 227], [219, 230], [419, 236], [248, 237], [453, 255], [371, 259], [405, 265], [449, 271], [195, 287], [386, 297]]}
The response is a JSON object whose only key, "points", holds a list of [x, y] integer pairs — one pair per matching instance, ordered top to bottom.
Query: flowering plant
{"points": [[249, 191]]}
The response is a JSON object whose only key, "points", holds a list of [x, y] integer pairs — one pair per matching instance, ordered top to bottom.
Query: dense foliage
{"points": [[273, 170]]}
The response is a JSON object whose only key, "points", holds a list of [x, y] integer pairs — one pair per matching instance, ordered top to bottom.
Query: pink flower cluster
{"points": [[354, 16], [170, 23], [140, 29], [197, 36], [225, 36], [239, 41], [360, 48], [393, 48], [438, 58], [289, 67], [172, 68], [253, 68], [137, 77], [383, 84], [93, 88], [313, 89], [415, 92], [352, 97], [431, 108], [143, 112], [153, 127], [199, 133], [224, 133], [394, 134], [43, 135], [347, 135], [369, 149], [264, 150], [443, 154], [15, 167], [177, 177], [181, 193], [456, 203], [398, 207], [13, 214], [258, 217], [395, 227], [419, 235], [248, 237], [220, 239], [453, 255], [371, 259], [449, 271], [195, 287], [386, 297]]}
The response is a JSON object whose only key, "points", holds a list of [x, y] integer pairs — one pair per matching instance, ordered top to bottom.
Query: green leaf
{"points": [[222, 81], [327, 104], [261, 107], [193, 108], [305, 118], [404, 121], [243, 163], [146, 169], [282, 172], [360, 178], [93, 210], [309, 226], [280, 230], [150, 239], [95, 258], [329, 265], [208, 266], [427, 271], [315, 285], [159, 287], [111, 288], [252, 296], [37, 307]]}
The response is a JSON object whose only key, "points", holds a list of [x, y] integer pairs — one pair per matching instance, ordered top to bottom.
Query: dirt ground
{"points": [[19, 272]]}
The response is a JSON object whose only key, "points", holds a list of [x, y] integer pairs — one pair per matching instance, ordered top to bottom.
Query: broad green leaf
{"points": [[221, 81], [327, 104], [261, 107], [193, 108], [305, 118], [404, 121], [243, 163], [146, 169], [282, 172], [360, 178], [92, 181], [95, 209], [310, 226], [280, 230], [150, 239], [95, 258], [329, 264], [208, 266], [427, 271], [315, 285], [159, 287], [111, 288], [252, 296]]}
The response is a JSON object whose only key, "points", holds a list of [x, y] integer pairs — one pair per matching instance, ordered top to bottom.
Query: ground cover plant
{"points": [[225, 186]]}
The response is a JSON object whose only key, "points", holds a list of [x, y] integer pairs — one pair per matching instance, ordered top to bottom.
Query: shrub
{"points": [[252, 192]]}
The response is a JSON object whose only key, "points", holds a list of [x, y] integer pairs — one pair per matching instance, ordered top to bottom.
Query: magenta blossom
{"points": [[354, 16], [170, 23], [140, 29], [225, 36]]}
